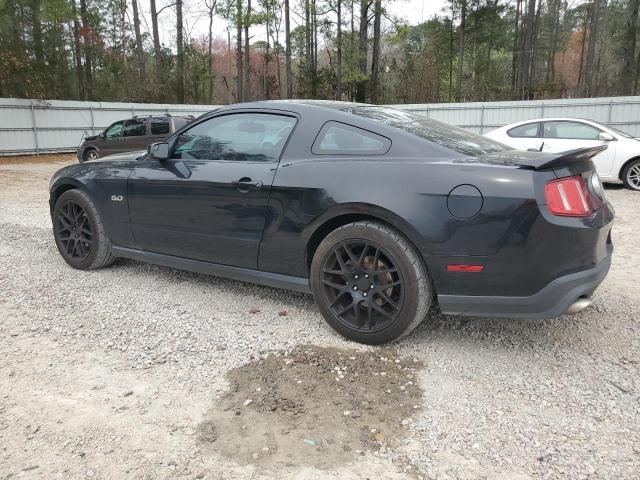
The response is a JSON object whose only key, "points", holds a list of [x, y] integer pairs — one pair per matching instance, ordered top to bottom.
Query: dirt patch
{"points": [[43, 158], [313, 406]]}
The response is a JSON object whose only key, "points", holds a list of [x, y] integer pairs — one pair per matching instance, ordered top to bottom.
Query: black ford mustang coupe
{"points": [[379, 213]]}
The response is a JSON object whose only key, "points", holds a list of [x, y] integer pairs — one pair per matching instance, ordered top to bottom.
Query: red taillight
{"points": [[568, 197], [465, 268]]}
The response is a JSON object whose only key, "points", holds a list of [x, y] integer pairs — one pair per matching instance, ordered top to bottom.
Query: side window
{"points": [[159, 125], [135, 127], [114, 130], [529, 130], [573, 130], [242, 137], [337, 138]]}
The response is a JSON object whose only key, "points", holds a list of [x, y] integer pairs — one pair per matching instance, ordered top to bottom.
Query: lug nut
{"points": [[366, 275], [355, 276], [371, 286], [355, 287], [364, 294]]}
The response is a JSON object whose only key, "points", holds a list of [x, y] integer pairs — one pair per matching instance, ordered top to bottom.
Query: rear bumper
{"points": [[549, 302]]}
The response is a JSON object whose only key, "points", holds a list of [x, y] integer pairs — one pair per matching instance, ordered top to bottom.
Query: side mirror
{"points": [[607, 137], [159, 151]]}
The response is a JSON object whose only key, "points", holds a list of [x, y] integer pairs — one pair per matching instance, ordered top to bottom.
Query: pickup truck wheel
{"points": [[631, 175], [79, 232], [370, 283]]}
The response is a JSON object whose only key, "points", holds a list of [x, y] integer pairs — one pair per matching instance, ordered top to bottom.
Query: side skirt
{"points": [[268, 279]]}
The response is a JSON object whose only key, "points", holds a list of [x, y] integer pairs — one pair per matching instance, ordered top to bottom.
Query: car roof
{"points": [[296, 105], [552, 119]]}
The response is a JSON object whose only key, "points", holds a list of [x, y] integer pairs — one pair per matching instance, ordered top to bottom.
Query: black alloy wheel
{"points": [[74, 231], [79, 232], [370, 283], [362, 284]]}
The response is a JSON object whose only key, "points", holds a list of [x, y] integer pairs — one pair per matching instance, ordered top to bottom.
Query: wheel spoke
{"points": [[352, 257], [334, 285], [387, 299], [381, 310]]}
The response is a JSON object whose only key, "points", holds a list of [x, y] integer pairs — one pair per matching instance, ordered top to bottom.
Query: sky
{"points": [[197, 23]]}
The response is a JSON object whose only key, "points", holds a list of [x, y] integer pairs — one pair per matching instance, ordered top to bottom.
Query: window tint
{"points": [[159, 126], [135, 127], [114, 130], [530, 130], [573, 130], [448, 136], [249, 137], [339, 138]]}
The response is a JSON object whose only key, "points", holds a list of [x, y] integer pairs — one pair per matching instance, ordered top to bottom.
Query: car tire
{"points": [[90, 154], [631, 175], [79, 232], [370, 283]]}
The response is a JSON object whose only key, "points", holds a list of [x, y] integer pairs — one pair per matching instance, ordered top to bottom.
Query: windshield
{"points": [[619, 132], [449, 136]]}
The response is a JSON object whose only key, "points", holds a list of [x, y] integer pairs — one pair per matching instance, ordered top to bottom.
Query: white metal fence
{"points": [[35, 126]]}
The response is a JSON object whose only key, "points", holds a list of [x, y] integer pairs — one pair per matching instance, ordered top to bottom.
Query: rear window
{"points": [[448, 136], [341, 139]]}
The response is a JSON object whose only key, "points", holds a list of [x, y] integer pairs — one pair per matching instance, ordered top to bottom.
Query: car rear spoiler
{"points": [[559, 160]]}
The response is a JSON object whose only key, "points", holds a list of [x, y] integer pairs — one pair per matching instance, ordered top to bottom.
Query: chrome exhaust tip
{"points": [[579, 305]]}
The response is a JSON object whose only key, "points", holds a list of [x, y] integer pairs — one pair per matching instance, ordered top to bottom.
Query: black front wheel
{"points": [[79, 233], [370, 283]]}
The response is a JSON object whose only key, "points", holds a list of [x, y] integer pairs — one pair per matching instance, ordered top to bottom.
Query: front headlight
{"points": [[596, 186]]}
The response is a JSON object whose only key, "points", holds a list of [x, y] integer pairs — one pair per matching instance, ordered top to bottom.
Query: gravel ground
{"points": [[138, 371]]}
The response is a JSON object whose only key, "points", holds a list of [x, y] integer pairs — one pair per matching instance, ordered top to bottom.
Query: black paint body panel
{"points": [[271, 230]]}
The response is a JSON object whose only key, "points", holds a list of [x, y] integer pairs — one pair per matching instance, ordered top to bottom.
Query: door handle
{"points": [[245, 184]]}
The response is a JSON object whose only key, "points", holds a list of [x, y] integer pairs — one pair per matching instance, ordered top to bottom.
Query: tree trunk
{"points": [[212, 11], [463, 18], [287, 29], [37, 33], [156, 39], [629, 46], [139, 47], [591, 49], [77, 50], [339, 52], [180, 54], [515, 54], [375, 56], [247, 58], [88, 72], [239, 82], [361, 87]]}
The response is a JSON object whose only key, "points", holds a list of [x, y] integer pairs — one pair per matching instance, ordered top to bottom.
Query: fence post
{"points": [[542, 110], [133, 111], [609, 112], [482, 119], [93, 121], [34, 127]]}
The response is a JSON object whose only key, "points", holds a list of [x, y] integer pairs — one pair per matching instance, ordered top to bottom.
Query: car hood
{"points": [[119, 157]]}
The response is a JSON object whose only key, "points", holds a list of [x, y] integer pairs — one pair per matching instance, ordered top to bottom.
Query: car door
{"points": [[134, 135], [563, 135], [525, 137], [111, 139], [209, 200]]}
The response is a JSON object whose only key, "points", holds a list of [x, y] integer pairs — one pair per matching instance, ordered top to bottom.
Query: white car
{"points": [[619, 162]]}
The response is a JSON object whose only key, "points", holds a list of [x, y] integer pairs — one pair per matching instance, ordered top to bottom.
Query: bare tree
{"points": [[211, 11], [463, 18], [287, 28], [139, 47], [339, 51], [179, 53], [375, 55], [247, 58], [88, 71], [361, 87], [239, 96]]}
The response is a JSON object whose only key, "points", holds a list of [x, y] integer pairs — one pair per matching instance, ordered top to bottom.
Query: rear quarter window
{"points": [[530, 130], [336, 138]]}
